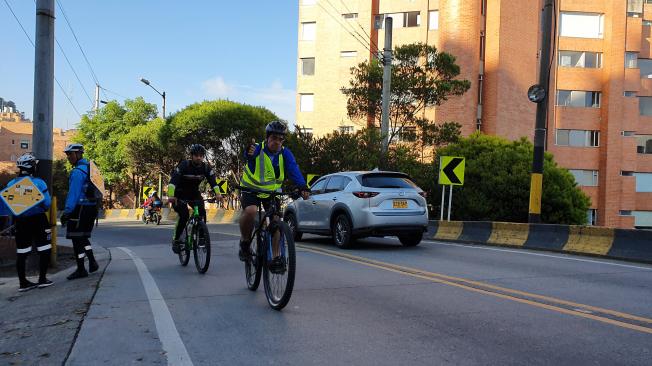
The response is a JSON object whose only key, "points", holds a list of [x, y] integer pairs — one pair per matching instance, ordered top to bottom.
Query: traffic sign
{"points": [[451, 170], [96, 177], [312, 179], [222, 185], [147, 191], [22, 195]]}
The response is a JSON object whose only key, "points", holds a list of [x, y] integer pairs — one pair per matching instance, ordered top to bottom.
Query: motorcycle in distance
{"points": [[153, 217]]}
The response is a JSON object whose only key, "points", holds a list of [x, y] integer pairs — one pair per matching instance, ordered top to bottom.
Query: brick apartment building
{"points": [[600, 118], [16, 139]]}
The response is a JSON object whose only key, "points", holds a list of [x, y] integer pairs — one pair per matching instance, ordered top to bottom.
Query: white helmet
{"points": [[74, 147], [26, 162]]}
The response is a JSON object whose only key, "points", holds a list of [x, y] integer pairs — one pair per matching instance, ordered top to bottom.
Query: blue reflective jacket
{"points": [[291, 166], [77, 186], [42, 207]]}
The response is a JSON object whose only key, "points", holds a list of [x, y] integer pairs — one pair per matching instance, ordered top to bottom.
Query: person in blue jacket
{"points": [[80, 210], [32, 228]]}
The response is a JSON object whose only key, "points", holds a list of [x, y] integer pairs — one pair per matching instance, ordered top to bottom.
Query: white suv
{"points": [[351, 205]]}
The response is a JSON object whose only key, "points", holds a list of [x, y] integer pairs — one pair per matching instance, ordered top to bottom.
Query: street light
{"points": [[146, 82]]}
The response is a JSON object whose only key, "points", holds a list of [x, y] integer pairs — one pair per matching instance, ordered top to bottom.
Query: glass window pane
{"points": [[412, 19], [433, 20], [582, 25], [308, 31], [631, 59], [645, 64], [308, 66], [563, 97], [578, 98], [307, 102], [645, 106], [562, 137], [577, 138], [643, 182], [334, 184], [318, 187]]}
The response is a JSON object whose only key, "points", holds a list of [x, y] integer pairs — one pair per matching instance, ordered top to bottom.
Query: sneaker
{"points": [[176, 246], [244, 251], [277, 265], [93, 266], [77, 274], [45, 283], [27, 286]]}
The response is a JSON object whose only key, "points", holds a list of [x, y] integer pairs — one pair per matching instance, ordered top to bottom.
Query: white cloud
{"points": [[275, 97]]}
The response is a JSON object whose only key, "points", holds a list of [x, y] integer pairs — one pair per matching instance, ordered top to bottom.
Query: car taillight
{"points": [[365, 194], [423, 194]]}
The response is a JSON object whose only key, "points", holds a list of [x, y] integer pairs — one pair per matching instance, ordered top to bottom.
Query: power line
{"points": [[337, 20], [359, 25], [33, 45], [73, 71], [97, 82], [112, 92]]}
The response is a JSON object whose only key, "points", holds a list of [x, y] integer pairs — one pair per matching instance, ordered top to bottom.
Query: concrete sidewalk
{"points": [[39, 327]]}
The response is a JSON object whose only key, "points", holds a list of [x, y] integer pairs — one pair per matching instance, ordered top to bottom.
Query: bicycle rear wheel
{"points": [[202, 248], [184, 252], [254, 263], [280, 283]]}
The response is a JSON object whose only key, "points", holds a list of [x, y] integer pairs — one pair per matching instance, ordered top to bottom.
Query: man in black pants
{"points": [[184, 185], [81, 210], [32, 228]]}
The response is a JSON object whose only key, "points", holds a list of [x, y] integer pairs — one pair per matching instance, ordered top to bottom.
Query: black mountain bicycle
{"points": [[196, 239], [278, 279]]}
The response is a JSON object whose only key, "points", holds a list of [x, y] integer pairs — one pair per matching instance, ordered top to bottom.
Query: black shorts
{"points": [[250, 199], [81, 222], [33, 230]]}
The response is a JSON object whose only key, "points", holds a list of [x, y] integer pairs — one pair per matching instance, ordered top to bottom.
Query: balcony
{"points": [[634, 36], [576, 78], [632, 80], [574, 118]]}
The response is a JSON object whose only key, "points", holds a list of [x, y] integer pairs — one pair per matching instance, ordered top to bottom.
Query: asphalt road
{"points": [[377, 304]]}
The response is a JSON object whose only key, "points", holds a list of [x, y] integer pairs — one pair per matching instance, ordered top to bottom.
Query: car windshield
{"points": [[386, 181]]}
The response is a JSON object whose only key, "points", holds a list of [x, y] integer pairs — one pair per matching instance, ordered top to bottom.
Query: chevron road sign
{"points": [[451, 170], [222, 185]]}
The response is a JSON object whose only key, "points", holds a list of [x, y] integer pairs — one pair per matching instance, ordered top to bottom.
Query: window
{"points": [[308, 2], [634, 8], [350, 16], [433, 19], [399, 20], [647, 23], [581, 25], [308, 31], [348, 53], [589, 60], [631, 60], [645, 64], [308, 66], [629, 93], [578, 98], [307, 102], [645, 106], [347, 129], [307, 130], [628, 133], [407, 134], [578, 138], [13, 142], [24, 144], [644, 144], [625, 173], [586, 178], [386, 180], [643, 182], [337, 183], [318, 188], [625, 212], [592, 217], [642, 219]]}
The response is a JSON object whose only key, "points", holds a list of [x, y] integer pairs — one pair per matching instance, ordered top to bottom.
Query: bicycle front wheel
{"points": [[202, 247], [254, 263], [279, 277]]}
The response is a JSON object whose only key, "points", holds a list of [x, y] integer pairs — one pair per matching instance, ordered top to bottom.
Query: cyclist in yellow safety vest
{"points": [[268, 164]]}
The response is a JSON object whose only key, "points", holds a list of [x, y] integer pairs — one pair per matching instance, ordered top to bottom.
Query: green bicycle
{"points": [[196, 239]]}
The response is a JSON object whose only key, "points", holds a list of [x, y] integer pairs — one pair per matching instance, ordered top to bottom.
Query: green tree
{"points": [[422, 77], [497, 183]]}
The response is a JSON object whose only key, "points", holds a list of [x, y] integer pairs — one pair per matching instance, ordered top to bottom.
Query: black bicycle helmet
{"points": [[275, 128], [197, 149]]}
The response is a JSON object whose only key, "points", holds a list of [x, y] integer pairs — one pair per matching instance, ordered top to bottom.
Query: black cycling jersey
{"points": [[187, 177]]}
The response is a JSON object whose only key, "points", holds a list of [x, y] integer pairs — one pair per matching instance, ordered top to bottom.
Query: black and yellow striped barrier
{"points": [[213, 216], [628, 244]]}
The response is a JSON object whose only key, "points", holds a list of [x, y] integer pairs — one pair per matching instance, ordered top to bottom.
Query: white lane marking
{"points": [[223, 233], [536, 254], [167, 332]]}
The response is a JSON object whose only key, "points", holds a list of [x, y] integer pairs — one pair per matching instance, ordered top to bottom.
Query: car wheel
{"points": [[292, 223], [342, 231], [411, 239]]}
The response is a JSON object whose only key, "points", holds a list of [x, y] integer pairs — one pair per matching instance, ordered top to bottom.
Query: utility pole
{"points": [[387, 83], [44, 89], [540, 94], [163, 95], [96, 106]]}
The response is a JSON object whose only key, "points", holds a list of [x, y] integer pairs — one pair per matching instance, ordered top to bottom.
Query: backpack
{"points": [[92, 193]]}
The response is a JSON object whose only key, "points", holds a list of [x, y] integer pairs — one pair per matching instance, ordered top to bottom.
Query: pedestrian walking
{"points": [[80, 211], [32, 228]]}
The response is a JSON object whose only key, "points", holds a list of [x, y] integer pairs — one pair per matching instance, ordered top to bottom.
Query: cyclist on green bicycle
{"points": [[268, 163], [184, 185]]}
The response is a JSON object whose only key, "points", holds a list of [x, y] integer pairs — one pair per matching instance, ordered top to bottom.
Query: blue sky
{"points": [[195, 50]]}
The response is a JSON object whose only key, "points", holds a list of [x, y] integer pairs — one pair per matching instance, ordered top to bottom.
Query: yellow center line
{"points": [[448, 280]]}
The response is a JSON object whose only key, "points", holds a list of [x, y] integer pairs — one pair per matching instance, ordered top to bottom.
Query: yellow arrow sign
{"points": [[451, 170], [96, 177], [312, 179], [222, 185], [147, 191], [22, 195]]}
